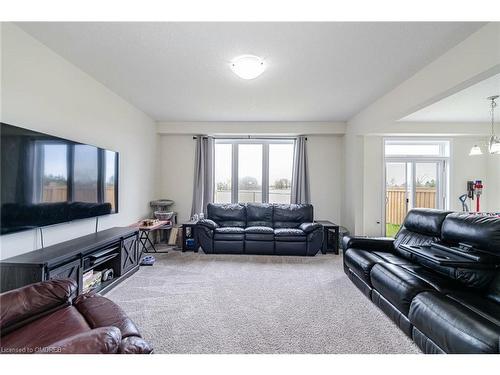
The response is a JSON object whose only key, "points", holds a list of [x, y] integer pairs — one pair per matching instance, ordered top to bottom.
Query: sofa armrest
{"points": [[208, 223], [310, 227], [369, 243], [20, 306], [100, 311], [97, 341], [135, 345]]}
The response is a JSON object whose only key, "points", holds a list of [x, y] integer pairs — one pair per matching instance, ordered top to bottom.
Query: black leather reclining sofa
{"points": [[260, 228], [446, 304]]}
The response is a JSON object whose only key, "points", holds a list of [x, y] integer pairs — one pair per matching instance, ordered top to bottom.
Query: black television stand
{"points": [[115, 248]]}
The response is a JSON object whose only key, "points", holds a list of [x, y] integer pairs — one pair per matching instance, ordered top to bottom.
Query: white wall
{"points": [[44, 92], [242, 128], [326, 163], [326, 167], [465, 168], [176, 172], [493, 172], [373, 184], [352, 202]]}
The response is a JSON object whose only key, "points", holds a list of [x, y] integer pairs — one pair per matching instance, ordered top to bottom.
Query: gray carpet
{"points": [[197, 303]]}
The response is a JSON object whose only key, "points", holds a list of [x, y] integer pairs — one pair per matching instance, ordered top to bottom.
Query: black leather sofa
{"points": [[260, 228], [446, 306]]}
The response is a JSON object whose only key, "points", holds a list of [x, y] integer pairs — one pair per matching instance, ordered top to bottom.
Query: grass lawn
{"points": [[391, 229]]}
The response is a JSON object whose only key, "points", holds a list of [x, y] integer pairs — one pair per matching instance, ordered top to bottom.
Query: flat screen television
{"points": [[48, 180]]}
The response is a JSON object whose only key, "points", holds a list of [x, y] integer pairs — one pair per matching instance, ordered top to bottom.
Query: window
{"points": [[421, 148], [223, 167], [263, 169], [55, 172], [280, 172], [250, 173], [85, 174], [416, 176], [110, 178]]}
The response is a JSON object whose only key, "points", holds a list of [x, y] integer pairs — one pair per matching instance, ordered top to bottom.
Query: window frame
{"points": [[235, 142], [444, 159]]}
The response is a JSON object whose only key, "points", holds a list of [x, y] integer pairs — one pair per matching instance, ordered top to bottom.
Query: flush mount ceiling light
{"points": [[248, 66], [494, 141]]}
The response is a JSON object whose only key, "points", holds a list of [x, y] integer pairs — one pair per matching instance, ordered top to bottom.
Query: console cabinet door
{"points": [[130, 256], [71, 270]]}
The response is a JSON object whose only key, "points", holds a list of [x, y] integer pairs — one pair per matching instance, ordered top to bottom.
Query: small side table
{"points": [[329, 227], [144, 232], [189, 233]]}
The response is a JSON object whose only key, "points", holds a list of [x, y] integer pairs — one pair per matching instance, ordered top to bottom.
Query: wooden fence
{"points": [[59, 194], [396, 202]]}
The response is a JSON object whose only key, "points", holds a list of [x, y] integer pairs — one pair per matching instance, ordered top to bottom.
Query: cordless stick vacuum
{"points": [[478, 189], [474, 191]]}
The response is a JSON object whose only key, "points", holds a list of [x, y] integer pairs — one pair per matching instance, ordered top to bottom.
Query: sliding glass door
{"points": [[412, 184], [397, 195]]}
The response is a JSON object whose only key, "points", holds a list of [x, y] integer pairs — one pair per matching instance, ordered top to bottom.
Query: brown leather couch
{"points": [[45, 318]]}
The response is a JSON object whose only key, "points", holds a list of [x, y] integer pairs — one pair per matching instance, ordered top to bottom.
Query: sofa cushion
{"points": [[259, 214], [227, 215], [292, 215], [425, 221], [421, 226], [480, 231], [229, 234], [259, 234], [290, 235], [391, 258], [361, 262], [434, 279], [397, 285], [20, 306], [487, 308], [452, 326], [47, 330]]}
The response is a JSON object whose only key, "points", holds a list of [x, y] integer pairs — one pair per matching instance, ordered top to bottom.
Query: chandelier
{"points": [[494, 141]]}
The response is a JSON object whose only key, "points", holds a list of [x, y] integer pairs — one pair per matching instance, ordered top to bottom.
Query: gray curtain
{"points": [[300, 173], [203, 190]]}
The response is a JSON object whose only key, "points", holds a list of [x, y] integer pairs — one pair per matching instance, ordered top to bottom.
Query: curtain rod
{"points": [[248, 137]]}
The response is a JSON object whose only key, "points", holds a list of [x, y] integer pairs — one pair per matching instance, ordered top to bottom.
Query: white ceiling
{"points": [[315, 71], [467, 105]]}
